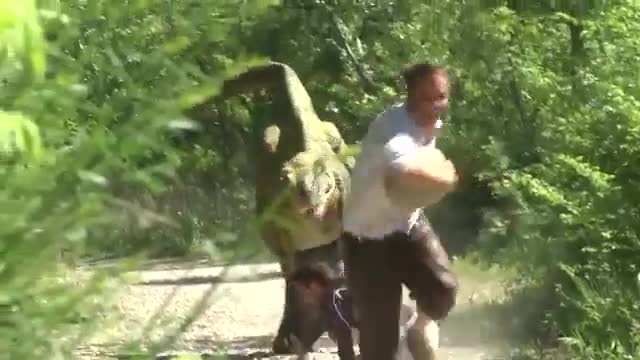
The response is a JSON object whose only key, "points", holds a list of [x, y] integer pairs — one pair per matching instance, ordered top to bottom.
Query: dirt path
{"points": [[244, 310]]}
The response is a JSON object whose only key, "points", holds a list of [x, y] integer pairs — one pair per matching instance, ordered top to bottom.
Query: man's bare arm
{"points": [[428, 170]]}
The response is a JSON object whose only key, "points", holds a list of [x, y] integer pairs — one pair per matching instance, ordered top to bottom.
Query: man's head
{"points": [[427, 91], [310, 283]]}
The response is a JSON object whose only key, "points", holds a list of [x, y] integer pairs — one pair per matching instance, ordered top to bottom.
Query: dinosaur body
{"points": [[302, 177]]}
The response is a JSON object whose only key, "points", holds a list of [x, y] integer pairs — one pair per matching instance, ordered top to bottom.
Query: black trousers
{"points": [[376, 270]]}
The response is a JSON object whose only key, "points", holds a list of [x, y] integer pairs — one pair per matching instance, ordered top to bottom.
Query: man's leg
{"points": [[432, 284], [377, 295], [423, 338]]}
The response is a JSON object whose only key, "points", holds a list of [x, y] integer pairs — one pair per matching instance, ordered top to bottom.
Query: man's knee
{"points": [[437, 303], [429, 329], [423, 339]]}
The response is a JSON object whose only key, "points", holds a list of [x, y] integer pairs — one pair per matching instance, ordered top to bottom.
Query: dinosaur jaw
{"points": [[309, 211]]}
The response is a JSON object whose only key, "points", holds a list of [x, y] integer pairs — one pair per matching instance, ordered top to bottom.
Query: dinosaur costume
{"points": [[302, 176]]}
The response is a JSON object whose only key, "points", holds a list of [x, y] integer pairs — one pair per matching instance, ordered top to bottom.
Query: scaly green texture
{"points": [[302, 175]]}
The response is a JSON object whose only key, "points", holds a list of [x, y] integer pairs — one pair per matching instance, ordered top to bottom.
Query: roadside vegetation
{"points": [[99, 160]]}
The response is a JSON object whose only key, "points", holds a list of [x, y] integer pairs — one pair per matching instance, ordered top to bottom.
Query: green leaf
{"points": [[21, 35], [176, 45], [198, 95], [18, 134]]}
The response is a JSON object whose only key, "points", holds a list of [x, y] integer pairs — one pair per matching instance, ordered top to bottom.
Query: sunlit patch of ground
{"points": [[244, 312]]}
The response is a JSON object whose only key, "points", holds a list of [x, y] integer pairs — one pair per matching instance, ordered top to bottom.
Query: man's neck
{"points": [[427, 124]]}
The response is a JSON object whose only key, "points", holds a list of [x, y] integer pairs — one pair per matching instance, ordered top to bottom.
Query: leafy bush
{"points": [[92, 93], [543, 127], [98, 158], [570, 232]]}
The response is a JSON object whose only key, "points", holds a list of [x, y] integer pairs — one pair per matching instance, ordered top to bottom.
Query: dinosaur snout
{"points": [[316, 212]]}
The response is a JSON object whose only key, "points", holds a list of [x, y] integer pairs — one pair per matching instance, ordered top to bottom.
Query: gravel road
{"points": [[240, 317]]}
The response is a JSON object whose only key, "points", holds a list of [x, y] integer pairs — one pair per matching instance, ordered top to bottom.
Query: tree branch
{"points": [[368, 83]]}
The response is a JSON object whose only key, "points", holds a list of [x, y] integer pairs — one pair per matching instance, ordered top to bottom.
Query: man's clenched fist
{"points": [[423, 180]]}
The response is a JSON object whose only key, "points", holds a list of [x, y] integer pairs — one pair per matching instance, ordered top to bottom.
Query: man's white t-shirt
{"points": [[391, 137]]}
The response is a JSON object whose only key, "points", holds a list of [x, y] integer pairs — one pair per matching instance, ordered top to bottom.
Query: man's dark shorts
{"points": [[418, 260]]}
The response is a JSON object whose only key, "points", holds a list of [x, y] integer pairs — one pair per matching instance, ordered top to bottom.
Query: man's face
{"points": [[431, 98]]}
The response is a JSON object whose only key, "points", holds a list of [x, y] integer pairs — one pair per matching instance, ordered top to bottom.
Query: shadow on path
{"points": [[175, 263], [212, 279], [469, 336], [251, 347]]}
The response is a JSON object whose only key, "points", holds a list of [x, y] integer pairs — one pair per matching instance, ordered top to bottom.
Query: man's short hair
{"points": [[413, 73]]}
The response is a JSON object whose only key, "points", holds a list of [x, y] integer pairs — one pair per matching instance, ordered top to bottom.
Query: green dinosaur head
{"points": [[313, 184], [313, 193]]}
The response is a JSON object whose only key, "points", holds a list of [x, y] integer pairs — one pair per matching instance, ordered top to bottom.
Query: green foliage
{"points": [[92, 95], [542, 127], [20, 136], [99, 159], [568, 179]]}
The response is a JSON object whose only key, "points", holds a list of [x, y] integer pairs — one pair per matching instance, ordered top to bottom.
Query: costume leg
{"points": [[327, 254], [282, 342]]}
